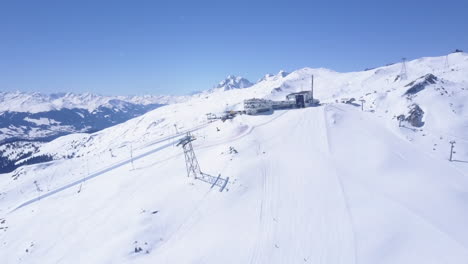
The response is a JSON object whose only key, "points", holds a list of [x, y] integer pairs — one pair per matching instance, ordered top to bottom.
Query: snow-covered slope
{"points": [[269, 76], [328, 184]]}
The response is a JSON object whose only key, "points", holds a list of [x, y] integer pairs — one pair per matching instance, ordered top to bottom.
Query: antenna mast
{"points": [[403, 75], [312, 88]]}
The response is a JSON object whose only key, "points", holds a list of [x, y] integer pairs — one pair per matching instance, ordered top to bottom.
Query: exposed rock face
{"points": [[420, 84], [415, 116]]}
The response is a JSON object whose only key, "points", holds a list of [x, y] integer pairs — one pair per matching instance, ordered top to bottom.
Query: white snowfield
{"points": [[327, 184]]}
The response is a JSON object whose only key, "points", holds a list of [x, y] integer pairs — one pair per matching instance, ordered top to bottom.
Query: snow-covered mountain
{"points": [[281, 74], [233, 82], [39, 102], [36, 116], [27, 119], [325, 184]]}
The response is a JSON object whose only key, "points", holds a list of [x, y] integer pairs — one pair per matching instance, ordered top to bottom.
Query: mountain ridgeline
{"points": [[48, 125]]}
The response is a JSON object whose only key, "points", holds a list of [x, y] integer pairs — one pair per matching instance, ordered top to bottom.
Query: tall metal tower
{"points": [[446, 66], [403, 75], [312, 88], [191, 162], [193, 169]]}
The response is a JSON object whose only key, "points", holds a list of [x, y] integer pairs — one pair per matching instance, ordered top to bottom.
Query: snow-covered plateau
{"points": [[334, 183]]}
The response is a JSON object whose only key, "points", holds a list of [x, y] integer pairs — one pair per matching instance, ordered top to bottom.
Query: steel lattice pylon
{"points": [[403, 75], [191, 162], [193, 168]]}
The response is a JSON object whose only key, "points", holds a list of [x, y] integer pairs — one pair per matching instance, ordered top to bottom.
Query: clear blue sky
{"points": [[175, 47]]}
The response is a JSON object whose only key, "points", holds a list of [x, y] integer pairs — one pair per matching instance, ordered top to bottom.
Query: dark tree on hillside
{"points": [[36, 159]]}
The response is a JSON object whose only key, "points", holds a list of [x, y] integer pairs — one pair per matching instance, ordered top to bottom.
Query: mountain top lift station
{"points": [[293, 100]]}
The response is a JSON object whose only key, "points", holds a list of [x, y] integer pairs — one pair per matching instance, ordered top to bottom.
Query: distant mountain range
{"points": [[39, 102], [37, 116], [27, 120]]}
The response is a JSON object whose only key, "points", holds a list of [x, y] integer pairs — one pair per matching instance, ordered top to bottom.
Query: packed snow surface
{"points": [[325, 184]]}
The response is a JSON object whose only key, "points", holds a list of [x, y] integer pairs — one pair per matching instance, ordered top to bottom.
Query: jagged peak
{"points": [[233, 82]]}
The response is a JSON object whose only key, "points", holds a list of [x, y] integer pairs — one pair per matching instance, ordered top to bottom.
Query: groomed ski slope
{"points": [[329, 184]]}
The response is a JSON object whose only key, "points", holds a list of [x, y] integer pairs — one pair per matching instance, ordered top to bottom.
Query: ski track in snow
{"points": [[325, 124], [412, 213], [273, 224]]}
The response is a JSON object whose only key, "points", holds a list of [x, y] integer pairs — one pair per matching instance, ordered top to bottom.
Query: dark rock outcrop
{"points": [[420, 84], [415, 116]]}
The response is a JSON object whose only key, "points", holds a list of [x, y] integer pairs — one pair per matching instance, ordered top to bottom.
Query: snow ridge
{"points": [[233, 82]]}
